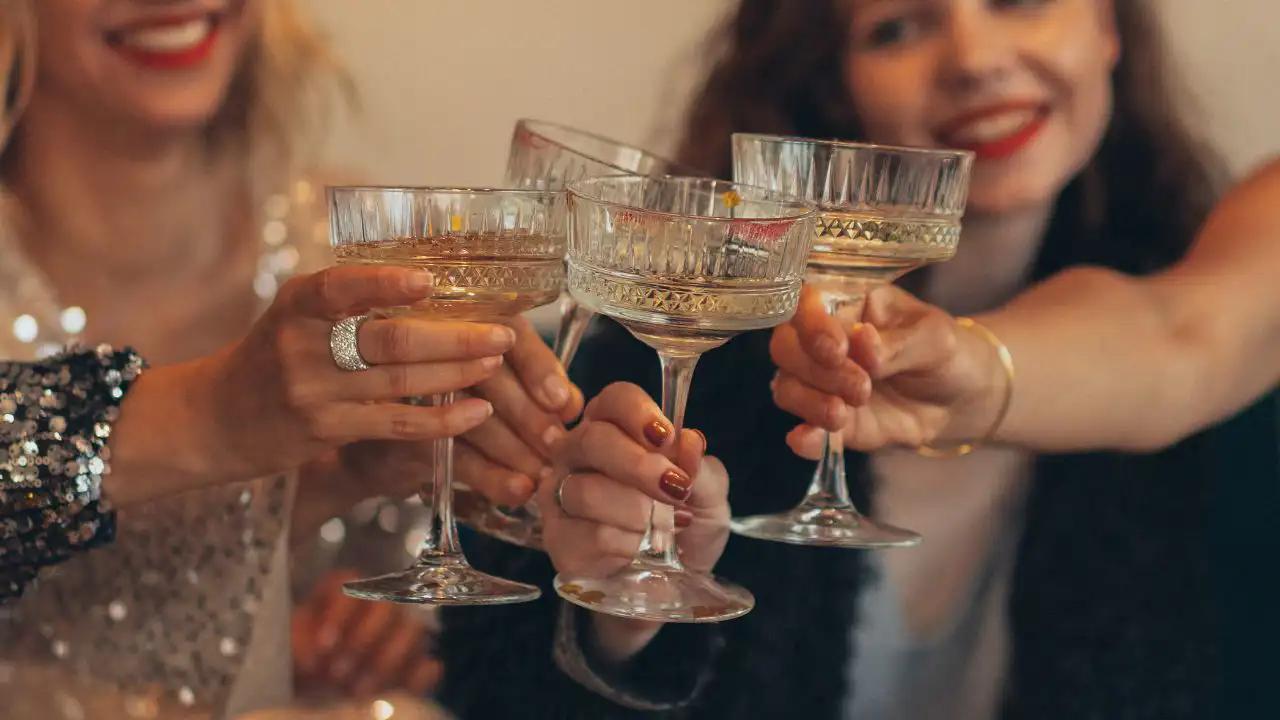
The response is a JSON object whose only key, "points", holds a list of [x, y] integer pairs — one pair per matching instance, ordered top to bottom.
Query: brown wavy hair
{"points": [[778, 68], [1135, 207]]}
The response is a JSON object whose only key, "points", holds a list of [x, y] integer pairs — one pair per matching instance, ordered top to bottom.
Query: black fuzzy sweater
{"points": [[1114, 612]]}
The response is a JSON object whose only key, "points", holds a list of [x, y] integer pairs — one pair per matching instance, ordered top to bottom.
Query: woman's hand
{"points": [[907, 375], [276, 399], [507, 456], [502, 459], [609, 471], [359, 648]]}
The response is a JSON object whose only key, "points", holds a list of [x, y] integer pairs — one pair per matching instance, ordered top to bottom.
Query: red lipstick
{"points": [[164, 59], [997, 148]]}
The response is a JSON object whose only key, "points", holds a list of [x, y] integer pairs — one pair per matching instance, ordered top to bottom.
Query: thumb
{"points": [[347, 290], [926, 343]]}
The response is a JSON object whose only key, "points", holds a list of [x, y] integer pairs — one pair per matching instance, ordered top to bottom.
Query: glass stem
{"points": [[574, 320], [830, 486], [441, 545], [658, 546]]}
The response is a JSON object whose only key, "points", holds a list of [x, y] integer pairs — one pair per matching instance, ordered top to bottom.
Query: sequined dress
{"points": [[186, 614]]}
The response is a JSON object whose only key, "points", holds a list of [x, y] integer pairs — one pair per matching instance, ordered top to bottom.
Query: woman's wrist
{"points": [[978, 414], [164, 442], [616, 640]]}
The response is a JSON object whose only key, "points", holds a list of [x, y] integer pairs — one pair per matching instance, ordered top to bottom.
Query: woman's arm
{"points": [[1102, 360], [1110, 361], [56, 416], [556, 661]]}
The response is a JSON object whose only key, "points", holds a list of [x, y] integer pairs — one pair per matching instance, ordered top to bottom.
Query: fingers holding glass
{"points": [[884, 212], [493, 254], [717, 259]]}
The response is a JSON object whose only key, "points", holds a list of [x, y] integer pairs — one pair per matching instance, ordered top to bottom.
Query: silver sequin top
{"points": [[186, 614]]}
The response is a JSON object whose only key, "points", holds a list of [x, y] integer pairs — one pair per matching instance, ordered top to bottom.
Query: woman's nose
{"points": [[980, 49]]}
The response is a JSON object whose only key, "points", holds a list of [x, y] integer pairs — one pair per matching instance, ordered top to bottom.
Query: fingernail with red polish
{"points": [[657, 433], [676, 484], [683, 518]]}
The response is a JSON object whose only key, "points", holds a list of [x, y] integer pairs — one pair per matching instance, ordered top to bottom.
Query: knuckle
{"points": [[327, 290], [289, 291], [949, 338], [465, 339], [396, 341], [777, 345], [399, 381], [618, 394], [452, 421], [407, 424], [320, 426], [593, 434], [611, 540]]}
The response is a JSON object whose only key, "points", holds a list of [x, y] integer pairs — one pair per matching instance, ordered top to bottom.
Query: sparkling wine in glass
{"points": [[548, 156], [883, 211], [493, 254], [684, 264]]}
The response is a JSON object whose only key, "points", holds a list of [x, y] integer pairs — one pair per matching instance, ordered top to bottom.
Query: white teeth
{"points": [[169, 38], [994, 127]]}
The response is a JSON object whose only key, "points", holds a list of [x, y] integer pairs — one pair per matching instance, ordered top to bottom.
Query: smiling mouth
{"points": [[169, 41], [997, 133]]}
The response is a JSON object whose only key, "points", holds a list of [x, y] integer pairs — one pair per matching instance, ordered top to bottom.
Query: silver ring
{"points": [[344, 344], [559, 494]]}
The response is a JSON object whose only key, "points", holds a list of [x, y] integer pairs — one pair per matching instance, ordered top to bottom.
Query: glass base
{"points": [[518, 526], [840, 527], [442, 582], [653, 592]]}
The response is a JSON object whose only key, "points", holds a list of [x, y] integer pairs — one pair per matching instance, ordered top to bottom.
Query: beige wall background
{"points": [[444, 80]]}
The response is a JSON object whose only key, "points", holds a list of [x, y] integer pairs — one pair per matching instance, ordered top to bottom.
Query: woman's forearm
{"points": [[1108, 361], [1099, 364]]}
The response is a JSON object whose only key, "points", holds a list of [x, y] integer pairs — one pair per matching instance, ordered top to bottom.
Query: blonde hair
{"points": [[275, 110]]}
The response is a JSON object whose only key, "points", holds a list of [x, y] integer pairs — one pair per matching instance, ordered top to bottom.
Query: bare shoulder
{"points": [[1256, 198], [1244, 229]]}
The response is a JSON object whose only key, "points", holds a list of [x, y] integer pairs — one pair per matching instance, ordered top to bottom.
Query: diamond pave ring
{"points": [[344, 345]]}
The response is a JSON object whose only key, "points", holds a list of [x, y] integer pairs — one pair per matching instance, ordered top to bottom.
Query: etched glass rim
{"points": [[530, 125], [965, 156], [355, 190], [805, 208]]}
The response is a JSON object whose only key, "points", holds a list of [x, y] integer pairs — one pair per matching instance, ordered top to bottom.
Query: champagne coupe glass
{"points": [[548, 156], [883, 211], [493, 254], [684, 264]]}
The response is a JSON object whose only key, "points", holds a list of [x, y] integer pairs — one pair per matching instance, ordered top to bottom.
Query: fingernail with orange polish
{"points": [[657, 433], [676, 484]]}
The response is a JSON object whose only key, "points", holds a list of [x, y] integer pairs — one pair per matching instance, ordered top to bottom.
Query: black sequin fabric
{"points": [[56, 417]]}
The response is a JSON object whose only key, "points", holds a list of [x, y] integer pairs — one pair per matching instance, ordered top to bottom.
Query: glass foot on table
{"points": [[841, 527], [448, 582], [652, 592]]}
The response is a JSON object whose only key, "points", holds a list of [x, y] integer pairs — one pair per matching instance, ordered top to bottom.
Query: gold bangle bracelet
{"points": [[1006, 361]]}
